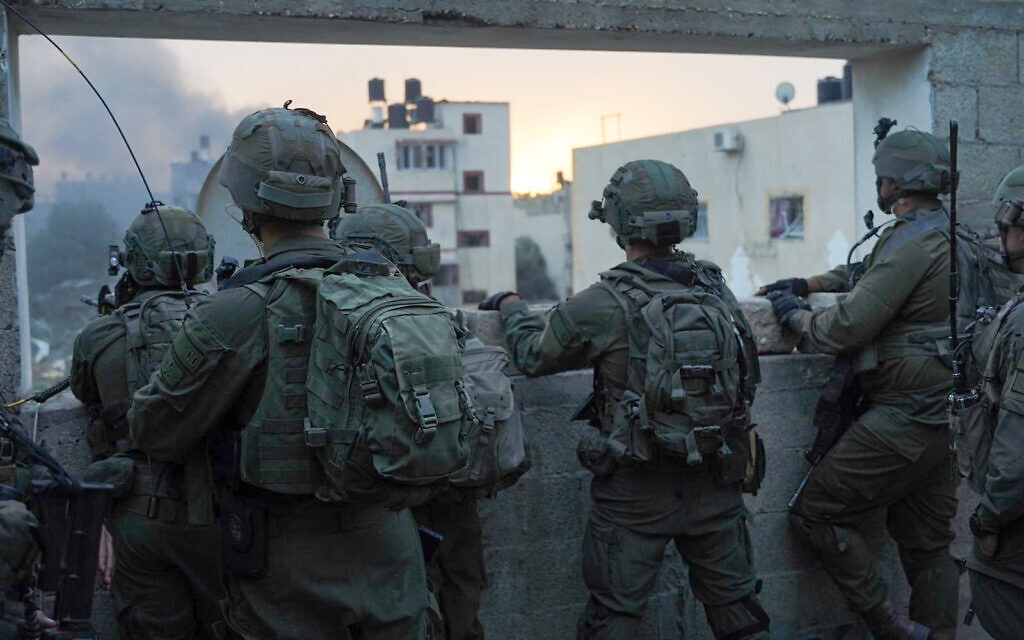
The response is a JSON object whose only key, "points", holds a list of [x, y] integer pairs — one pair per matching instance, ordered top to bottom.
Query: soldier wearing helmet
{"points": [[16, 187], [398, 235], [890, 331], [651, 458], [299, 561], [996, 564], [456, 572], [165, 580]]}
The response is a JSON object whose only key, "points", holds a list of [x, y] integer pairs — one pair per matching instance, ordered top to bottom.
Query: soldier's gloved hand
{"points": [[797, 286], [493, 302], [785, 304]]}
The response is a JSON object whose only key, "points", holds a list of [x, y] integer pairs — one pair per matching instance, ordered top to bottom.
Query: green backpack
{"points": [[688, 386], [388, 412], [497, 446]]}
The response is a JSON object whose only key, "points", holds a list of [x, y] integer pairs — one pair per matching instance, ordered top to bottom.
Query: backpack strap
{"points": [[632, 295]]}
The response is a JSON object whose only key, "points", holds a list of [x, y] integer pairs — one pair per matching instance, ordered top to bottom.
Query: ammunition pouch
{"points": [[244, 537]]}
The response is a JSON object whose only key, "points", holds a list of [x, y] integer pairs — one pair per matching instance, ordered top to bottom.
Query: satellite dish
{"points": [[785, 92], [232, 240]]}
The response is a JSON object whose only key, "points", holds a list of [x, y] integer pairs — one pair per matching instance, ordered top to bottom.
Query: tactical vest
{"points": [[984, 282], [151, 320], [688, 379], [274, 455]]}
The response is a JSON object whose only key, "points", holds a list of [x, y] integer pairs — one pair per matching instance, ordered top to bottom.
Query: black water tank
{"points": [[847, 81], [376, 89], [830, 89], [412, 90], [424, 110], [397, 117]]}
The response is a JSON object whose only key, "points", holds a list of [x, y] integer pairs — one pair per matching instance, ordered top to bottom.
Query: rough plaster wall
{"points": [[9, 339]]}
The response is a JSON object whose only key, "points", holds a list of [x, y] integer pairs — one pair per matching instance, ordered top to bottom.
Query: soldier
{"points": [[16, 186], [895, 455], [664, 467], [299, 562], [997, 562], [456, 571], [166, 579]]}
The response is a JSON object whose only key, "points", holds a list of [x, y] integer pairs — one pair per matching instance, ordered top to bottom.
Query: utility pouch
{"points": [[757, 464], [728, 466], [244, 538]]}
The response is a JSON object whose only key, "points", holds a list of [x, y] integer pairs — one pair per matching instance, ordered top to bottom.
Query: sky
{"points": [[167, 93]]}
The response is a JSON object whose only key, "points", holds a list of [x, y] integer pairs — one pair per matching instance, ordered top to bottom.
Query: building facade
{"points": [[454, 171], [776, 195]]}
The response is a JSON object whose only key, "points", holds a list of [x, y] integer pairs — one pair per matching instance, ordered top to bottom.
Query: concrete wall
{"points": [[807, 152], [533, 531]]}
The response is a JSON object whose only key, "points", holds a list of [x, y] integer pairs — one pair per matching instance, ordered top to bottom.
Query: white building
{"points": [[454, 170], [779, 203], [545, 219]]}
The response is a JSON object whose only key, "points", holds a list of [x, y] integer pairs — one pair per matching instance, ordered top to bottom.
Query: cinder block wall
{"points": [[533, 531]]}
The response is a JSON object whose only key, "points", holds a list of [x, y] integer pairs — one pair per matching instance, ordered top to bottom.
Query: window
{"points": [[472, 123], [423, 155], [472, 181], [786, 217], [702, 222], [470, 239], [447, 276], [473, 296]]}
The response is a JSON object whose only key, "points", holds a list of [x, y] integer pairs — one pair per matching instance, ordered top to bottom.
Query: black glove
{"points": [[796, 286], [493, 302], [785, 304]]}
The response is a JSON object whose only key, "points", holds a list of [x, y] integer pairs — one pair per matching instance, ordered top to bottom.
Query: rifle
{"points": [[960, 397], [837, 408], [71, 515]]}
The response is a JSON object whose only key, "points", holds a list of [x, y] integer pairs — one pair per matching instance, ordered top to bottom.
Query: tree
{"points": [[532, 280]]}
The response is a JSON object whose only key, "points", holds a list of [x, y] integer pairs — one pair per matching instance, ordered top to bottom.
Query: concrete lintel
{"points": [[834, 30]]}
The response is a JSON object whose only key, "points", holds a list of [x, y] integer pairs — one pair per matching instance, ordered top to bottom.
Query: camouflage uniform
{"points": [[895, 456], [639, 508], [319, 568], [997, 580], [166, 581]]}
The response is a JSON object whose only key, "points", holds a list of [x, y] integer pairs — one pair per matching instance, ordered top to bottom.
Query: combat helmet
{"points": [[915, 160], [284, 163], [16, 185], [648, 200], [1009, 200], [397, 233], [147, 249]]}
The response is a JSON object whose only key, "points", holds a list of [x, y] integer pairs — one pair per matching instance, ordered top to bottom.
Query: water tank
{"points": [[847, 81], [830, 89], [376, 90], [412, 90], [424, 110], [378, 117], [397, 117], [204, 142]]}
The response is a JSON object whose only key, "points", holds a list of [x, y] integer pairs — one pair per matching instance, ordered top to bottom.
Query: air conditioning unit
{"points": [[728, 140]]}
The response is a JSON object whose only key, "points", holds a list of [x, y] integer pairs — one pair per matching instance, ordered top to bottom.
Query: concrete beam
{"points": [[830, 28]]}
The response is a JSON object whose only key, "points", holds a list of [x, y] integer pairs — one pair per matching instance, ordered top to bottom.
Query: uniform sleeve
{"points": [[835, 281], [853, 322], [570, 336], [90, 343], [202, 375], [1003, 501]]}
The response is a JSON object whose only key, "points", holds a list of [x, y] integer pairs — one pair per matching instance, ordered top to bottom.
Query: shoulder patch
{"points": [[562, 327], [1018, 377]]}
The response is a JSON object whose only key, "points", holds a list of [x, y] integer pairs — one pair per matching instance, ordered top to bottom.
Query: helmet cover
{"points": [[397, 233], [147, 255]]}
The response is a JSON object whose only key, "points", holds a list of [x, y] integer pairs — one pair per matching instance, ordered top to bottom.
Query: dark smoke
{"points": [[144, 86]]}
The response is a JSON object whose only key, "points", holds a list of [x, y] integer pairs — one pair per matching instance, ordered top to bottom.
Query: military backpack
{"points": [[688, 383], [388, 410], [497, 446]]}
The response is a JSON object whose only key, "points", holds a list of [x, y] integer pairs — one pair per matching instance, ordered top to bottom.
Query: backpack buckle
{"points": [[296, 333], [369, 387], [427, 415], [489, 419], [315, 437]]}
